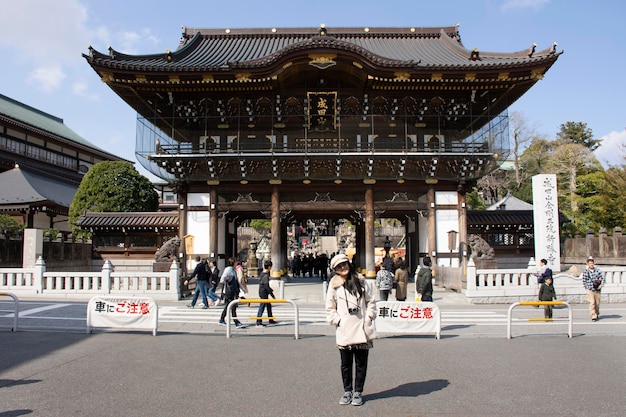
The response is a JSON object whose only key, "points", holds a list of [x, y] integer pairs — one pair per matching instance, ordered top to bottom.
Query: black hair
{"points": [[427, 261], [545, 262], [267, 264], [353, 283]]}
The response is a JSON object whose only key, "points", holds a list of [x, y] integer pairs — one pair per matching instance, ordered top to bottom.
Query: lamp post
{"points": [[451, 242], [387, 246], [387, 261], [253, 267]]}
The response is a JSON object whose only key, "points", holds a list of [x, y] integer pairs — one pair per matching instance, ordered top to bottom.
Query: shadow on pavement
{"points": [[411, 389]]}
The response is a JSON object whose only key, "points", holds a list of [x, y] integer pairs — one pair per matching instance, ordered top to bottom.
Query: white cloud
{"points": [[523, 4], [43, 31], [45, 38], [132, 42], [47, 77], [81, 89], [611, 151]]}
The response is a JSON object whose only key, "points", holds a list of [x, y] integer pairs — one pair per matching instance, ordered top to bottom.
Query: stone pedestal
{"points": [[486, 263], [161, 266]]}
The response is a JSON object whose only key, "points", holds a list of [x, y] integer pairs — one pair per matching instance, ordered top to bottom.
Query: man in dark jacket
{"points": [[201, 274], [214, 279], [425, 280], [264, 292]]}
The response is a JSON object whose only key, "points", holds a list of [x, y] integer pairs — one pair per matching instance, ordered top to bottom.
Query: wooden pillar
{"points": [[213, 224], [432, 224], [462, 228], [182, 229], [360, 246], [275, 254], [370, 261]]}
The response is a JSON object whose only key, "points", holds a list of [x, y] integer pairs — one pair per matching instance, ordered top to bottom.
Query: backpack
{"points": [[386, 281], [231, 284]]}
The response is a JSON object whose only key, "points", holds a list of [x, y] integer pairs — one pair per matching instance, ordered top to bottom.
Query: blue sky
{"points": [[42, 42]]}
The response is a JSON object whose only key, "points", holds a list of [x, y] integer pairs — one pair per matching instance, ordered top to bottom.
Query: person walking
{"points": [[543, 271], [401, 278], [214, 279], [242, 279], [202, 280], [424, 280], [593, 280], [384, 282], [230, 285], [265, 291], [547, 293], [351, 308]]}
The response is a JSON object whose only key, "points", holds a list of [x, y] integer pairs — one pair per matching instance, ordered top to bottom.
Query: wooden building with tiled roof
{"points": [[340, 123], [42, 162], [137, 235]]}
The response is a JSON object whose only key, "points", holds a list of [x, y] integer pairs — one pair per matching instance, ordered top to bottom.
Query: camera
{"points": [[354, 310]]}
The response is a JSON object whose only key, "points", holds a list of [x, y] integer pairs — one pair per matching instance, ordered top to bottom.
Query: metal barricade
{"points": [[263, 301], [541, 303], [16, 309]]}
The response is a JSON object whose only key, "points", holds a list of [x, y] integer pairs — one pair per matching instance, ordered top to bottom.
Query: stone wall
{"points": [[605, 249]]}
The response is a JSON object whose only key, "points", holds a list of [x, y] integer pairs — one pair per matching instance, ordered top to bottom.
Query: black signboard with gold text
{"points": [[322, 109]]}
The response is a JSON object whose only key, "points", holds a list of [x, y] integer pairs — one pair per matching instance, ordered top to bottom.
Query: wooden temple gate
{"points": [[356, 123]]}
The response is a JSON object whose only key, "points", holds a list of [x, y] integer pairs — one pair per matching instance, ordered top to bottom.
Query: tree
{"points": [[578, 132], [521, 134], [568, 161], [111, 186], [474, 201], [261, 225], [9, 227]]}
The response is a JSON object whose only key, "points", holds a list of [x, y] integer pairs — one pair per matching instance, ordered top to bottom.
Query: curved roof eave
{"points": [[215, 51], [19, 186]]}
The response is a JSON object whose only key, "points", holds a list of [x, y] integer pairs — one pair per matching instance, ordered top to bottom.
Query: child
{"points": [[265, 291], [547, 293]]}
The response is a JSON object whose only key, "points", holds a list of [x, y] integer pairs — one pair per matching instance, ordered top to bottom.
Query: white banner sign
{"points": [[546, 220], [125, 312], [402, 317]]}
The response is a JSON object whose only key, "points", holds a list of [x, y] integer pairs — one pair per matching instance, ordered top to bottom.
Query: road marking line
{"points": [[32, 311]]}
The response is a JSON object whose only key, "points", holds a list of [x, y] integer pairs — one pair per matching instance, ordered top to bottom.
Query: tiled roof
{"points": [[224, 49], [36, 119], [20, 188], [509, 202], [477, 218], [131, 221]]}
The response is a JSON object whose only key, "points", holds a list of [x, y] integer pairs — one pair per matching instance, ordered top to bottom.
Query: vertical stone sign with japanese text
{"points": [[546, 219], [33, 247]]}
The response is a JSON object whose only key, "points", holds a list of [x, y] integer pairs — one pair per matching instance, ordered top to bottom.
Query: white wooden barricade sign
{"points": [[122, 312], [403, 317]]}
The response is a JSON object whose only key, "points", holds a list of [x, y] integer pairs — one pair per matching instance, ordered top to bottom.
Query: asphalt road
{"points": [[458, 320], [183, 374]]}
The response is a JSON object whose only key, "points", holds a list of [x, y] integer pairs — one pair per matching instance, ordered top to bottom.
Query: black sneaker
{"points": [[346, 399]]}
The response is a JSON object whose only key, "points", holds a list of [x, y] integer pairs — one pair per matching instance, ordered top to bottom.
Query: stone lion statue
{"points": [[480, 249], [168, 252]]}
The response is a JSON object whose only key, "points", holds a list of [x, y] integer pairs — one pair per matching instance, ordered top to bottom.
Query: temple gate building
{"points": [[335, 123]]}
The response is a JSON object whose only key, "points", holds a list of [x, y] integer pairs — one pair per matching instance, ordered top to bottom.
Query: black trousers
{"points": [[227, 300], [357, 357]]}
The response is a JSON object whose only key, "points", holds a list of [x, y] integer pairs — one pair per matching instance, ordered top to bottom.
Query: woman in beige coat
{"points": [[401, 278], [350, 306]]}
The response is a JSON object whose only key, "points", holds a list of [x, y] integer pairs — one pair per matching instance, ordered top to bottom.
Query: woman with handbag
{"points": [[350, 306]]}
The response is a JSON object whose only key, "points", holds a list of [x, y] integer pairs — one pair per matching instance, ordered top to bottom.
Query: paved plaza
{"points": [[191, 368]]}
